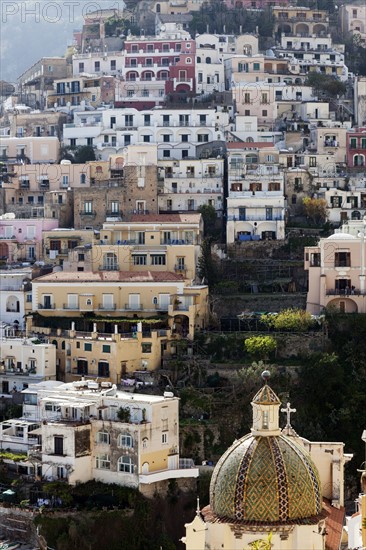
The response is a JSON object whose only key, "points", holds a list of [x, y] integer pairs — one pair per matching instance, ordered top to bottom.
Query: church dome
{"points": [[265, 478]]}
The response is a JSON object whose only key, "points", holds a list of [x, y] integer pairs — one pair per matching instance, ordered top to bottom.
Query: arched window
{"points": [[157, 8], [198, 59], [188, 60], [208, 60], [249, 140], [358, 160], [82, 178], [54, 342], [63, 344], [125, 440], [125, 465]]}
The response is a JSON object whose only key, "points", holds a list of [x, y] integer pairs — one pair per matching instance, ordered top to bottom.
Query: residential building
{"points": [[353, 19], [297, 20], [98, 63], [209, 64], [34, 83], [71, 93], [359, 100], [268, 101], [36, 124], [178, 133], [330, 138], [356, 148], [30, 150], [124, 185], [185, 185], [44, 190], [255, 201], [21, 239], [57, 243], [146, 243], [337, 270], [15, 295], [23, 362], [91, 431]]}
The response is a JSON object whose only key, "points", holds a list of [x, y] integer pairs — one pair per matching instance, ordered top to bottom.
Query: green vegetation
{"points": [[325, 85], [293, 320], [260, 346], [124, 414], [15, 457]]}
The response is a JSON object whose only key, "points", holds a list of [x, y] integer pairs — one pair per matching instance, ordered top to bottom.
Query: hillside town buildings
{"points": [[116, 161]]}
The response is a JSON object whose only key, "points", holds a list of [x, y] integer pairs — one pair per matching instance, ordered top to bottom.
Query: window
{"points": [[113, 65], [97, 66], [256, 66], [264, 112], [166, 138], [184, 138], [202, 138], [166, 153], [312, 162], [88, 207], [81, 257], [139, 259], [158, 259], [342, 259], [87, 347], [106, 348], [146, 348], [103, 437], [164, 438], [125, 440], [58, 445], [103, 462], [125, 465]]}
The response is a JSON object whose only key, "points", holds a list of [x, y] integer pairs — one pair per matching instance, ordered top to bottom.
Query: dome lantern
{"points": [[266, 407]]}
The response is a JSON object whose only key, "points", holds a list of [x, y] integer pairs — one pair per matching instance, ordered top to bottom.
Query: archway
{"points": [[302, 29], [319, 30], [345, 305], [181, 325]]}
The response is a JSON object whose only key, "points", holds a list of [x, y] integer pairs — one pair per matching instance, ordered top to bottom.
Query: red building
{"points": [[149, 60], [356, 148]]}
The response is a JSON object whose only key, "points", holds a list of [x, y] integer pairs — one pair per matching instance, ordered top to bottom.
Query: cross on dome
{"points": [[288, 412]]}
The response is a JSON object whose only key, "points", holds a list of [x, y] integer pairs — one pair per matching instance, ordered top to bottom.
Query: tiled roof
{"points": [[166, 218], [110, 276], [266, 396], [334, 525]]}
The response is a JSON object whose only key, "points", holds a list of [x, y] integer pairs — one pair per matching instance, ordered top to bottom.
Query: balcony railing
{"points": [[87, 213], [274, 218], [109, 267], [345, 292], [46, 306], [75, 307], [107, 307], [131, 307]]}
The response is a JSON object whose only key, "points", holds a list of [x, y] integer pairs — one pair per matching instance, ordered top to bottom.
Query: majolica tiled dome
{"points": [[265, 478]]}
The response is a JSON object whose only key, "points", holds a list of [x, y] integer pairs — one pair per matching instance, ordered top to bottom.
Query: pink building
{"points": [[151, 60], [356, 148], [21, 239]]}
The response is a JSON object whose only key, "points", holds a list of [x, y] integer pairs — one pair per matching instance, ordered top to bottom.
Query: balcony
{"points": [[89, 213], [114, 213], [259, 218], [109, 267], [345, 292], [46, 306], [74, 307], [107, 307], [132, 307]]}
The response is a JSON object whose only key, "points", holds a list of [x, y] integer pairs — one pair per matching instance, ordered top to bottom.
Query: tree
{"points": [[326, 85], [84, 154], [315, 209], [209, 217], [206, 268], [260, 346]]}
